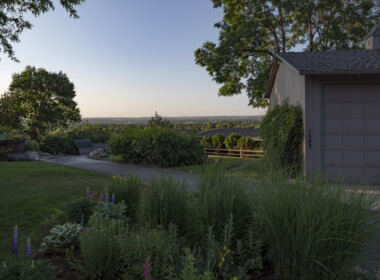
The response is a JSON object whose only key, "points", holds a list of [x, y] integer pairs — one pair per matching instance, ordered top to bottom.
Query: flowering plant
{"points": [[147, 269]]}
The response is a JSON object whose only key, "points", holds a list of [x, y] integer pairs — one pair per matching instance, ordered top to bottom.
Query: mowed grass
{"points": [[248, 170], [30, 191]]}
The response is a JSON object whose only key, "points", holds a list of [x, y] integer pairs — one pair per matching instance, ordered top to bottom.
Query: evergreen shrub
{"points": [[282, 134], [232, 140], [218, 141], [55, 145], [157, 145]]}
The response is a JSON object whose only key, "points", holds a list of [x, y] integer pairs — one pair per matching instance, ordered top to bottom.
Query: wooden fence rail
{"points": [[234, 153]]}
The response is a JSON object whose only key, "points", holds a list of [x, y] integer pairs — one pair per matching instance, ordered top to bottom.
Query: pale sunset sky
{"points": [[129, 58]]}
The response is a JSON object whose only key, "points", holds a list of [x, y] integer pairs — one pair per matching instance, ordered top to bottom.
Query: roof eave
{"points": [[276, 64], [308, 72], [272, 77]]}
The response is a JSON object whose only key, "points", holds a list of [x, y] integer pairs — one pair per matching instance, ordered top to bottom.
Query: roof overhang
{"points": [[278, 60], [272, 77]]}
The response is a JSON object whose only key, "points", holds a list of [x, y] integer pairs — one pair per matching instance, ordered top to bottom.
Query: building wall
{"points": [[288, 86], [313, 110]]}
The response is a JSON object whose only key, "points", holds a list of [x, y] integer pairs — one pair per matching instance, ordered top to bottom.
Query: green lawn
{"points": [[250, 169], [30, 191]]}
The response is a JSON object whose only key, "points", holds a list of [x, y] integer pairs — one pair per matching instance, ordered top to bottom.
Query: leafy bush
{"points": [[96, 132], [282, 134], [206, 141], [218, 141], [231, 141], [247, 144], [31, 145], [55, 145], [157, 145], [4, 154], [128, 190], [165, 202], [73, 210], [108, 211], [313, 233], [61, 237], [162, 247], [100, 251], [26, 269], [190, 272]]}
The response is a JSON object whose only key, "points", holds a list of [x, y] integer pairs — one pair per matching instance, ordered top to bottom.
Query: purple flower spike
{"points": [[88, 194], [113, 198], [107, 199], [101, 200], [15, 242], [28, 250]]}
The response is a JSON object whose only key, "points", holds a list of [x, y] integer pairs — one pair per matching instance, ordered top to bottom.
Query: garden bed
{"points": [[13, 145]]}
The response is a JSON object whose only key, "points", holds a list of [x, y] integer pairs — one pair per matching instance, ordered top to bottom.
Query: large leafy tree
{"points": [[13, 22], [252, 31], [43, 100], [10, 111]]}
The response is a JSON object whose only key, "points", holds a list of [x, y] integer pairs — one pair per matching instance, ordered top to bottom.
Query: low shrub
{"points": [[282, 134], [218, 141], [231, 141], [206, 142], [247, 144], [31, 145], [56, 145], [157, 145], [4, 154], [128, 190], [165, 202], [108, 211], [72, 212], [313, 233], [61, 237], [161, 247], [100, 251], [26, 269]]}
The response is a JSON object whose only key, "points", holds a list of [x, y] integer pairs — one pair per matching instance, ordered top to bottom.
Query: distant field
{"points": [[177, 120]]}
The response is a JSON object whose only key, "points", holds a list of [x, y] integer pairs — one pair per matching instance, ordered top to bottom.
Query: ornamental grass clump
{"points": [[128, 190], [219, 198], [165, 203], [313, 232], [100, 251]]}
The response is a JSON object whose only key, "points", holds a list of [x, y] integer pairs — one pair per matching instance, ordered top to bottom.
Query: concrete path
{"points": [[122, 169]]}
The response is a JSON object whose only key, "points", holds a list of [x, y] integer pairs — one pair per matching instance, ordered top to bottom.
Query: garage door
{"points": [[351, 132]]}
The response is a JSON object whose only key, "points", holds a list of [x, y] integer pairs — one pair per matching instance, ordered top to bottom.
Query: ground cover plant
{"points": [[31, 191]]}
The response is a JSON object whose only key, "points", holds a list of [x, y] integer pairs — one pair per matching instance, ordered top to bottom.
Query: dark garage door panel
{"points": [[351, 132]]}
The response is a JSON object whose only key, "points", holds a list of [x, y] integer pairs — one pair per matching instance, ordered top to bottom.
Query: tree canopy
{"points": [[13, 22], [252, 31], [41, 100], [158, 120]]}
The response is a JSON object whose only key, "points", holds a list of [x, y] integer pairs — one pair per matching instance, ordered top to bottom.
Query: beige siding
{"points": [[288, 86], [313, 119]]}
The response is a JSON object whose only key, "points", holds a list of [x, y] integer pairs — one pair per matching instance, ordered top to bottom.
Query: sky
{"points": [[129, 58]]}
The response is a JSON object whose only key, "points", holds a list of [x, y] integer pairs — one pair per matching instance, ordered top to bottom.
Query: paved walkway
{"points": [[122, 169]]}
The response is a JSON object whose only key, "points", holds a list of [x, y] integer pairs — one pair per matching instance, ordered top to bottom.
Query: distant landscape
{"points": [[175, 120]]}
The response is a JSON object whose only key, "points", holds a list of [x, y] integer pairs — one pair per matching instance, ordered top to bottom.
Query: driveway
{"points": [[122, 169]]}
